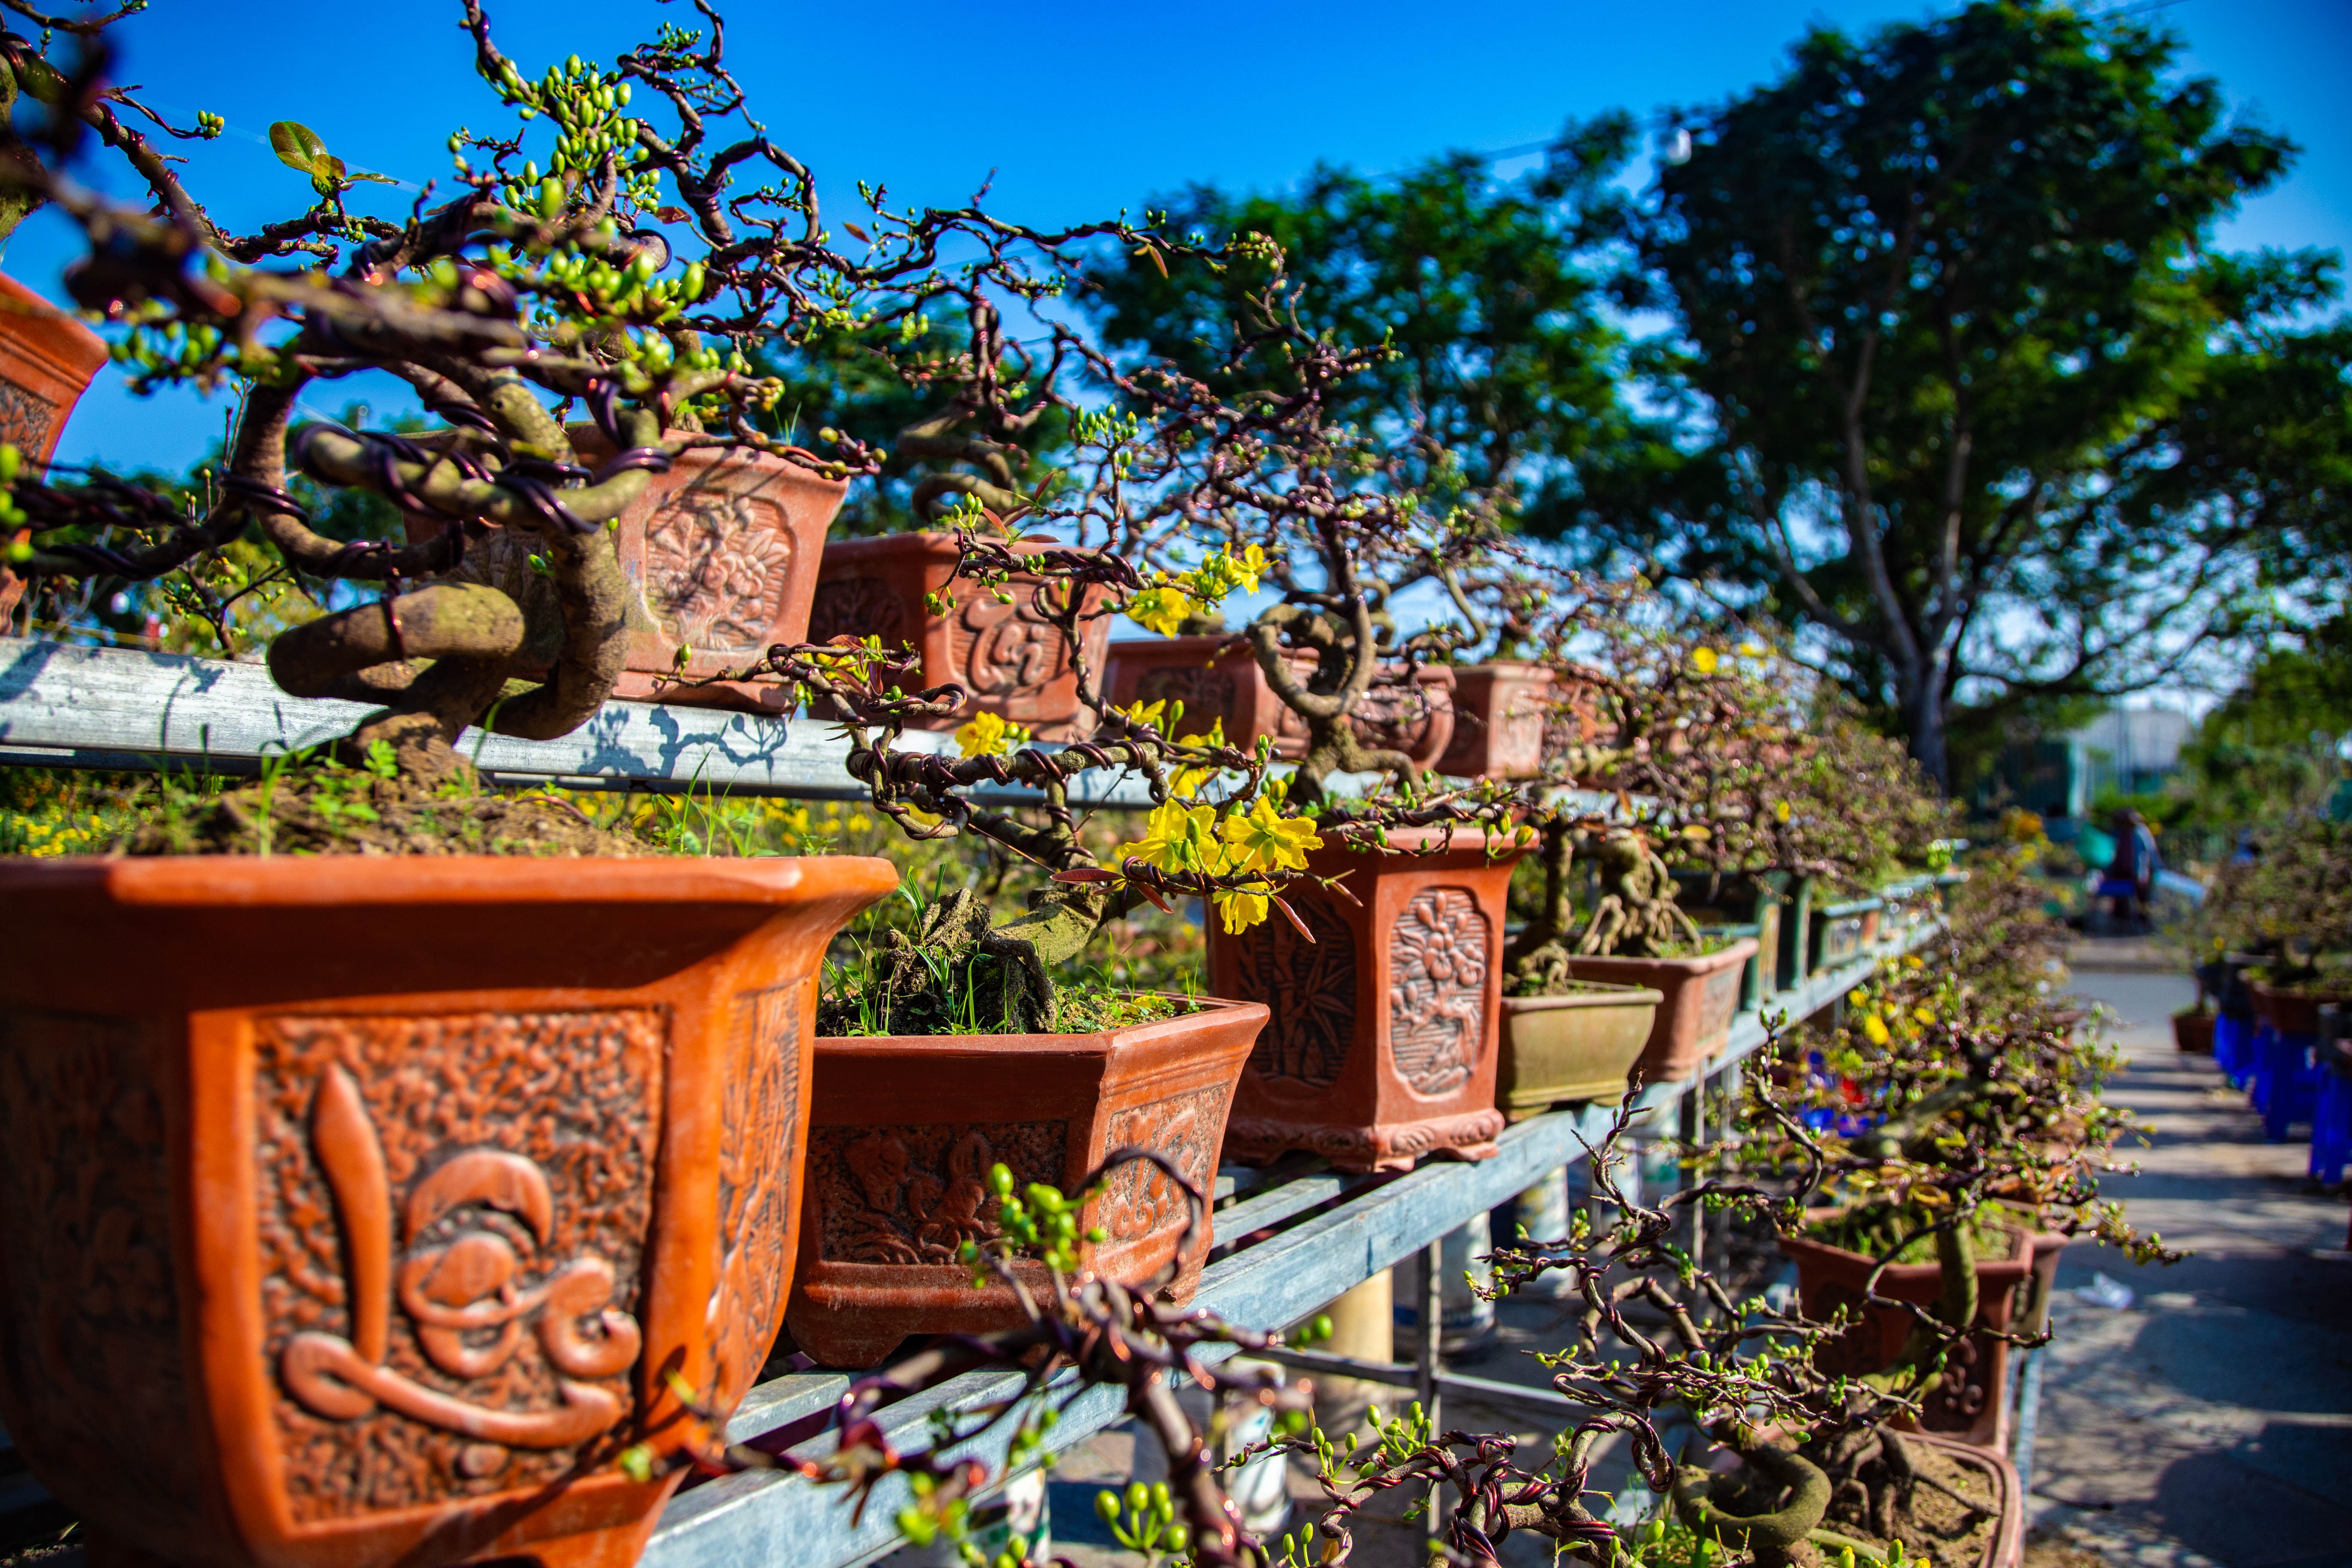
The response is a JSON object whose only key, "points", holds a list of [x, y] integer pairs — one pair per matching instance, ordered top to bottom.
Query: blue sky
{"points": [[1082, 109]]}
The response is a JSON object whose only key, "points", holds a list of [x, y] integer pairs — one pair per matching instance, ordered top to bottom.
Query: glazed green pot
{"points": [[1574, 1047]]}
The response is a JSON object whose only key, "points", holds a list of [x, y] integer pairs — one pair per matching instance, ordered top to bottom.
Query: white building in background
{"points": [[2129, 750]]}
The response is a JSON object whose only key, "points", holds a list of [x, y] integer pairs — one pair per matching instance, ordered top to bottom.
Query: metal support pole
{"points": [[1694, 1130], [1430, 1308]]}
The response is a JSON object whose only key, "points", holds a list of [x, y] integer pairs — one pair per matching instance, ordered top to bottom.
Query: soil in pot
{"points": [[1009, 658], [321, 807], [1699, 997], [1575, 1046], [1381, 1048], [370, 1224], [1966, 1511]]}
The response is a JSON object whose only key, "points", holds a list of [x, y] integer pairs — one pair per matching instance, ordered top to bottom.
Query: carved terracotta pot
{"points": [[46, 360], [723, 550], [1009, 660], [1218, 678], [1500, 711], [1694, 1020], [1382, 1043], [906, 1127], [354, 1212], [1971, 1404]]}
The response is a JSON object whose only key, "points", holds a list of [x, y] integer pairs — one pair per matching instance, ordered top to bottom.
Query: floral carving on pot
{"points": [[716, 566], [857, 607], [996, 649], [1437, 989], [1310, 990], [756, 1162], [916, 1195], [1139, 1198], [451, 1252]]}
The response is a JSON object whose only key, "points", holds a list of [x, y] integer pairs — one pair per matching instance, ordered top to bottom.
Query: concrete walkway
{"points": [[2210, 1421]]}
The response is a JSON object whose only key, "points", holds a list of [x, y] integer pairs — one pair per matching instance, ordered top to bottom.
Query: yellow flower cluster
{"points": [[1162, 606], [988, 735], [1191, 840]]}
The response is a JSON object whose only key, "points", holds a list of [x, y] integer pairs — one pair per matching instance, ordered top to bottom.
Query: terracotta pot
{"points": [[46, 360], [723, 550], [1009, 661], [1218, 678], [1499, 714], [1701, 996], [2291, 1010], [2193, 1033], [1382, 1043], [1578, 1047], [905, 1127], [365, 1223], [1970, 1405]]}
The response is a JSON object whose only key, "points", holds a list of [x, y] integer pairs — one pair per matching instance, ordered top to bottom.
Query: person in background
{"points": [[2131, 874]]}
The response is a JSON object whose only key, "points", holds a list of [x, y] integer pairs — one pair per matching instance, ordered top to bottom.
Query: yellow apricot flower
{"points": [[1162, 609], [1703, 661], [987, 735], [1780, 810], [1176, 837], [1265, 839], [1241, 909], [1876, 1027]]}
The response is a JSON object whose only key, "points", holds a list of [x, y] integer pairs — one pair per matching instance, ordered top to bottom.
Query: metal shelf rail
{"points": [[63, 706], [1309, 1240]]}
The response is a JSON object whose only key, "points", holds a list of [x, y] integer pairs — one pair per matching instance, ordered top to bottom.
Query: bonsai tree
{"points": [[623, 246], [1176, 498], [1725, 758]]}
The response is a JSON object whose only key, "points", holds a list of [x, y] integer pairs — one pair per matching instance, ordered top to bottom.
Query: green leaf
{"points": [[299, 147], [372, 178]]}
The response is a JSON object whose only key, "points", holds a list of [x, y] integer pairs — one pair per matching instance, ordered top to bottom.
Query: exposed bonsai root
{"points": [[1768, 1508]]}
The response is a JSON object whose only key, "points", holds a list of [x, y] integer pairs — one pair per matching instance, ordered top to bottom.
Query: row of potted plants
{"points": [[409, 1204], [1864, 1419]]}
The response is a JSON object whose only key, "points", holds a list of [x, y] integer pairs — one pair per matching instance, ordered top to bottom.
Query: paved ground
{"points": [[2210, 1422]]}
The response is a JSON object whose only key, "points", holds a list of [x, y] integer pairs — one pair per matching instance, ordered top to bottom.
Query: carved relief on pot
{"points": [[26, 418], [716, 569], [857, 607], [995, 649], [1207, 695], [1392, 715], [1438, 957], [1310, 990], [758, 1157], [916, 1195], [1141, 1198], [454, 1211], [86, 1253]]}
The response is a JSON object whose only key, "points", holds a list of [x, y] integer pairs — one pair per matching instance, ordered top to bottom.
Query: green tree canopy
{"points": [[1493, 293], [1955, 387]]}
